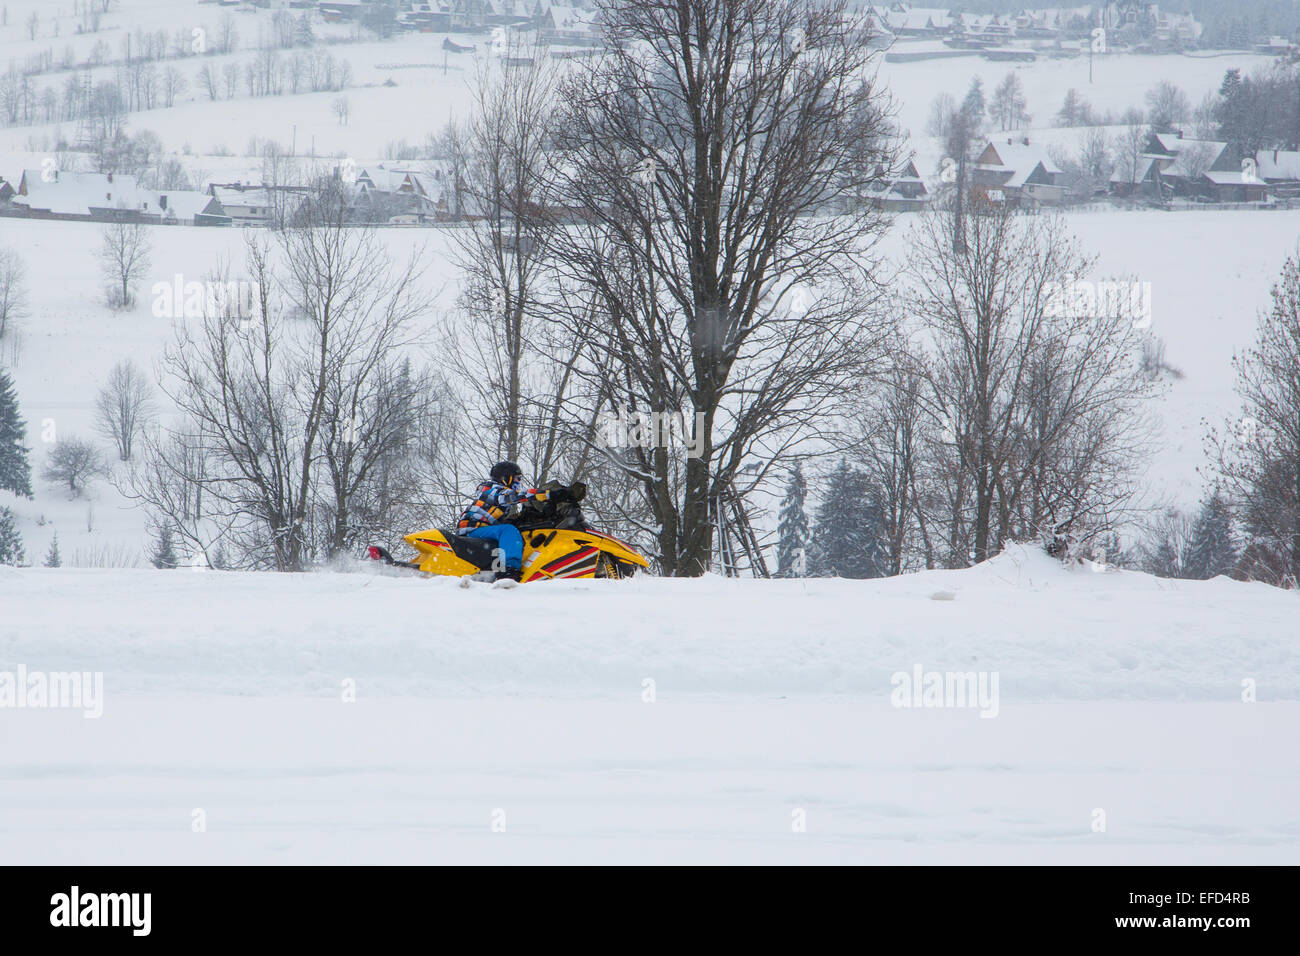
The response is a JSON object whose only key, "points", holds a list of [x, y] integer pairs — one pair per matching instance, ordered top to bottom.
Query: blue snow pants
{"points": [[507, 538]]}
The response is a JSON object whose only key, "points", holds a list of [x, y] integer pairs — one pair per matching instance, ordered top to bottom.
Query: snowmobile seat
{"points": [[477, 551]]}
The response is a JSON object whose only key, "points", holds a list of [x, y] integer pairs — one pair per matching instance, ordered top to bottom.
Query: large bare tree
{"points": [[717, 251], [124, 253], [13, 290], [510, 363], [1034, 384], [124, 407], [288, 416], [1258, 456]]}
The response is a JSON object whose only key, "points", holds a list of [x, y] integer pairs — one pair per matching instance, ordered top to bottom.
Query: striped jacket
{"points": [[492, 502]]}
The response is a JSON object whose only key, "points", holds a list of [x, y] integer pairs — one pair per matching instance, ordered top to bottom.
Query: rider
{"points": [[496, 499]]}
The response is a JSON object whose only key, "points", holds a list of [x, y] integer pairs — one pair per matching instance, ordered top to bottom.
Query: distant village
{"points": [[1170, 170], [1173, 171]]}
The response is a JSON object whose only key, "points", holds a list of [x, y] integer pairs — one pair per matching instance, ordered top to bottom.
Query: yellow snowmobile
{"points": [[558, 543]]}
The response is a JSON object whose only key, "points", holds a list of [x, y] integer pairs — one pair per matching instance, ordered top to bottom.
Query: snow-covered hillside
{"points": [[652, 720]]}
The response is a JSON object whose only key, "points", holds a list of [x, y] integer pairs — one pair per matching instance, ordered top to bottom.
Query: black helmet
{"points": [[505, 472]]}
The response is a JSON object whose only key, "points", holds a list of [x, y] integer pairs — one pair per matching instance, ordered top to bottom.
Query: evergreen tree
{"points": [[974, 105], [1075, 111], [15, 472], [792, 530], [850, 540], [11, 542], [164, 550], [1211, 550], [52, 557]]}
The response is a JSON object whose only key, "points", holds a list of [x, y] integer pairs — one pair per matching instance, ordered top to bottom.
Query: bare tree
{"points": [[207, 79], [230, 79], [174, 84], [1008, 103], [1167, 106], [341, 109], [939, 123], [1130, 145], [702, 156], [501, 166], [124, 253], [13, 290], [1038, 397], [124, 407], [289, 415], [891, 447], [1258, 456], [75, 462], [1164, 547]]}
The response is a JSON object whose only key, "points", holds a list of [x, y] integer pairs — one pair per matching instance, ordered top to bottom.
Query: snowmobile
{"points": [[558, 543]]}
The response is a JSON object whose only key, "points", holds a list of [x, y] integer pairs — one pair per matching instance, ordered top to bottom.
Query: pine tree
{"points": [[974, 105], [15, 472], [792, 530], [850, 535], [11, 542], [164, 551], [1211, 551], [52, 557]]}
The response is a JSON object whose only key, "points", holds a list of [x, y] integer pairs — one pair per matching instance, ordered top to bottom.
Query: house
{"points": [[907, 21], [568, 24], [1273, 46], [1172, 165], [1278, 168], [1208, 169], [1017, 171], [1136, 179], [1234, 185], [7, 190], [900, 191], [383, 193], [54, 194], [111, 197], [248, 205], [189, 207]]}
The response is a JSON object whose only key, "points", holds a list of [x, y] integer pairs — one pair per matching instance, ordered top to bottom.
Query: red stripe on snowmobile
{"points": [[610, 537], [437, 544], [568, 559], [581, 569]]}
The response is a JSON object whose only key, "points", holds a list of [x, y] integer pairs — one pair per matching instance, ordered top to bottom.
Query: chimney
{"points": [[1026, 140], [110, 177], [162, 201]]}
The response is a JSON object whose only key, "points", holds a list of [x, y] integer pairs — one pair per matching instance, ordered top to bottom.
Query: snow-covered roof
{"points": [[572, 18], [1174, 143], [1206, 153], [1021, 159], [1278, 164], [1143, 171], [1231, 177], [392, 180], [76, 194], [229, 196], [186, 204]]}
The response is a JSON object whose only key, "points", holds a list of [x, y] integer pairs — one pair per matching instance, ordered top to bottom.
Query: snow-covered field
{"points": [[1210, 274], [365, 718], [653, 720]]}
